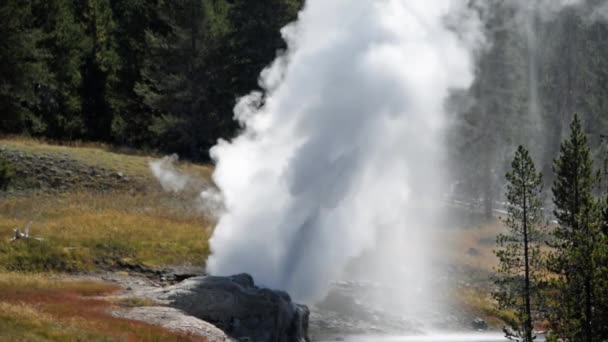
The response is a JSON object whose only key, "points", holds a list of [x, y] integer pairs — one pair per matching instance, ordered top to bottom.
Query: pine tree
{"points": [[133, 19], [22, 69], [99, 70], [179, 76], [60, 104], [575, 241], [520, 255], [601, 255]]}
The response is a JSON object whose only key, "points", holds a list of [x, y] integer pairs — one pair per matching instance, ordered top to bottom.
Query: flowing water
{"points": [[463, 337]]}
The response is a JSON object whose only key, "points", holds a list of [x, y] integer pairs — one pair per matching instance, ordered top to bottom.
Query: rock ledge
{"points": [[241, 309]]}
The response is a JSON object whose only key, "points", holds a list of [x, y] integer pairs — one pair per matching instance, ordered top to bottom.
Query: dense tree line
{"points": [[539, 67], [142, 73], [566, 281]]}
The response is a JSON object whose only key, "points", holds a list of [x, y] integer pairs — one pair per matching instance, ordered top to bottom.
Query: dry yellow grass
{"points": [[90, 228], [83, 230], [472, 247], [20, 283], [133, 302], [478, 302]]}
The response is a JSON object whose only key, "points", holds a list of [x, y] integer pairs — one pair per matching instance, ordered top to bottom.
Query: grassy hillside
{"points": [[94, 207]]}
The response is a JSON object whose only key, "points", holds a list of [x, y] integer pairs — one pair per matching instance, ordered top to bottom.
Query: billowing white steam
{"points": [[346, 145], [169, 177], [208, 200]]}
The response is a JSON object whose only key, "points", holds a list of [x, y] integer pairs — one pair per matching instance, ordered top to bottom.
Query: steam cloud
{"points": [[599, 12], [345, 148], [169, 177], [209, 201]]}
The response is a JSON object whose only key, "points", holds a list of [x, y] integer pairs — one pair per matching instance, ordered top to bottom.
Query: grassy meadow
{"points": [[83, 230]]}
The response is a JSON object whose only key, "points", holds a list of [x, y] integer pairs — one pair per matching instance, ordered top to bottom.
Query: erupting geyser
{"points": [[345, 142]]}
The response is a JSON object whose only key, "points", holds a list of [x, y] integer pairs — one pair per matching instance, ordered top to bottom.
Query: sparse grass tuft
{"points": [[7, 173], [471, 247], [15, 285], [134, 302], [479, 303]]}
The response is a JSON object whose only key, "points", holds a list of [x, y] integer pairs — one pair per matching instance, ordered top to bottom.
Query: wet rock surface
{"points": [[359, 308], [241, 309], [346, 311]]}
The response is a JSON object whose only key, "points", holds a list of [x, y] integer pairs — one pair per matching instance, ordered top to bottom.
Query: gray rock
{"points": [[473, 252], [242, 310], [175, 320], [479, 324]]}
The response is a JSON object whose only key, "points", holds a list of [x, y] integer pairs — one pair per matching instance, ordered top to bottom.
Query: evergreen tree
{"points": [[133, 20], [255, 39], [21, 68], [99, 70], [160, 74], [173, 76], [182, 77], [60, 105], [576, 241], [520, 255], [601, 255]]}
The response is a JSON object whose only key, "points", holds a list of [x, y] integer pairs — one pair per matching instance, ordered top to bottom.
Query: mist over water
{"points": [[345, 147], [471, 337]]}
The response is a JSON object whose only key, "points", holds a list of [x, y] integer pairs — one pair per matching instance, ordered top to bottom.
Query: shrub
{"points": [[7, 173]]}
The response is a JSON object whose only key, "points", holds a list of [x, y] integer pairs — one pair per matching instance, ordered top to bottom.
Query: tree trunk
{"points": [[588, 283], [588, 309], [528, 322]]}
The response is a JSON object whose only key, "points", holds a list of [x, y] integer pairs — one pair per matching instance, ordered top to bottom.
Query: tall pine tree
{"points": [[575, 241], [520, 255]]}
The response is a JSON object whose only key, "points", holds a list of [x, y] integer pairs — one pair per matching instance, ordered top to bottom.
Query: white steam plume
{"points": [[599, 12], [345, 144], [169, 177], [208, 199]]}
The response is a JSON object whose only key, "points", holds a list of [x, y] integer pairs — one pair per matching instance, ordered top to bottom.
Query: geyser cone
{"points": [[343, 153]]}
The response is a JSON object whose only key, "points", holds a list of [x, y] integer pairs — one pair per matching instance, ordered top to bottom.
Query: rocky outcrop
{"points": [[241, 309], [175, 320]]}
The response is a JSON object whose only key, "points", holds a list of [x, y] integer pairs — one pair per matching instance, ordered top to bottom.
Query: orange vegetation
{"points": [[35, 309]]}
